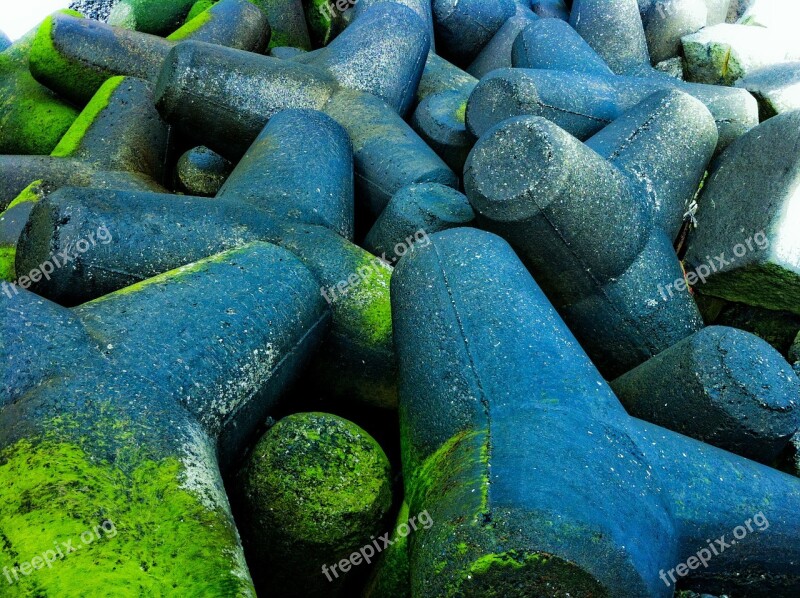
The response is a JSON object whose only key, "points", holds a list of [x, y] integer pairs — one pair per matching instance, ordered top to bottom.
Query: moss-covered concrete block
{"points": [[75, 57], [32, 118], [201, 171], [107, 425], [315, 489]]}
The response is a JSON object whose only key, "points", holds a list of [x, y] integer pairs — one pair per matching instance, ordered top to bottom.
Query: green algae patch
{"points": [[199, 7], [158, 17], [324, 21], [191, 27], [47, 62], [461, 113], [32, 118], [71, 142], [32, 193], [8, 256], [175, 274], [768, 285], [364, 307], [458, 465], [319, 479], [316, 489], [149, 536], [529, 574], [391, 576]]}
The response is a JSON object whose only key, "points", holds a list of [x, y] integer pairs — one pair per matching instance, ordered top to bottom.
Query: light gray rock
{"points": [[723, 54]]}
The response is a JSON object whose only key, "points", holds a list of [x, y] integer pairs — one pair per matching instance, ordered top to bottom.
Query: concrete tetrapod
{"points": [[75, 56], [559, 76], [196, 94], [33, 117], [118, 142], [263, 199], [594, 224], [747, 239], [722, 386], [120, 413], [537, 480], [315, 490]]}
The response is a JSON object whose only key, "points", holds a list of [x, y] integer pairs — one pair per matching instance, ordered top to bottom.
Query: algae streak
{"points": [[71, 142]]}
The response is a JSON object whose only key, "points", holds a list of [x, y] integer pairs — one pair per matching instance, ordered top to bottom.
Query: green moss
{"points": [[198, 7], [158, 17], [324, 21], [191, 27], [279, 39], [50, 65], [461, 113], [32, 118], [71, 142], [32, 193], [8, 256], [175, 274], [764, 284], [366, 308], [458, 463], [318, 479], [166, 542], [529, 574], [391, 576]]}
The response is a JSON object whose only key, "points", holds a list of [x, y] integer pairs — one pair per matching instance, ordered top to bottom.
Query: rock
{"points": [[94, 9], [723, 54], [672, 67], [201, 171], [722, 386], [316, 489]]}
